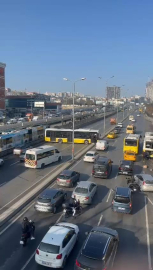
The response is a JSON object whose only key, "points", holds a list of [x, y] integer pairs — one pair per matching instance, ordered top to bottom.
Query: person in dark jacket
{"points": [[28, 227]]}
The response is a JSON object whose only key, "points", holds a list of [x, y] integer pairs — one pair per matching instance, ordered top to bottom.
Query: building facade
{"points": [[2, 86], [149, 90], [113, 92]]}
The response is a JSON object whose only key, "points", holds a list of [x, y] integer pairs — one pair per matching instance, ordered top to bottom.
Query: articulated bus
{"points": [[85, 136], [131, 143]]}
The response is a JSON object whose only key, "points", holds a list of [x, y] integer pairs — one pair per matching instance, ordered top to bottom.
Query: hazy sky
{"points": [[43, 41]]}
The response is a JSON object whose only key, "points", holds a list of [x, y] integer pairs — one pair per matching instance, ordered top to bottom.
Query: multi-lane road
{"points": [[16, 179], [135, 231]]}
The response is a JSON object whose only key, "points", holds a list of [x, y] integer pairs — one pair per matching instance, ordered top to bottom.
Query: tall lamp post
{"points": [[74, 82], [105, 107]]}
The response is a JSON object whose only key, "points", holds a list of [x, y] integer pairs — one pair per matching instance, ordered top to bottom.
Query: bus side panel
{"points": [[47, 139], [64, 140], [76, 140]]}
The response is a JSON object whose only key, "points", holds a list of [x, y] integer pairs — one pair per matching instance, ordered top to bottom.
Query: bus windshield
{"points": [[129, 128], [130, 142], [149, 145], [30, 156]]}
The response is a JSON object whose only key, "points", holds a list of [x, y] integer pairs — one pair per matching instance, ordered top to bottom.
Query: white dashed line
{"points": [[14, 163], [109, 195], [150, 201], [100, 219], [148, 238]]}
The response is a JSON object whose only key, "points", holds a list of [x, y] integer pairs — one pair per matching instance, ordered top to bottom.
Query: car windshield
{"points": [[149, 145], [89, 155], [30, 156], [63, 176], [81, 190], [120, 199], [48, 248]]}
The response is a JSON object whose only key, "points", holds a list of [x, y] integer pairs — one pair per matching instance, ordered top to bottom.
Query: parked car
{"points": [[102, 145], [90, 156], [1, 161], [102, 167], [125, 167], [68, 178], [144, 181], [85, 192], [50, 199], [122, 200], [57, 245], [99, 250]]}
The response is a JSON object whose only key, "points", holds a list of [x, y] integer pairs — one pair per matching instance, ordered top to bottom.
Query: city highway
{"points": [[16, 179], [135, 250]]}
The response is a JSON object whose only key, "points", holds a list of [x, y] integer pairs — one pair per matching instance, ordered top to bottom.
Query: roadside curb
{"points": [[46, 181]]}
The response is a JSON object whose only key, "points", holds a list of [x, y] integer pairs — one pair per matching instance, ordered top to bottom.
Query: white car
{"points": [[138, 115], [133, 120], [120, 125], [90, 156], [1, 161], [56, 245]]}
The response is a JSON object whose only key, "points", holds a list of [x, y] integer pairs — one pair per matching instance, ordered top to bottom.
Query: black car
{"points": [[116, 130], [102, 167], [126, 167], [50, 199], [99, 250]]}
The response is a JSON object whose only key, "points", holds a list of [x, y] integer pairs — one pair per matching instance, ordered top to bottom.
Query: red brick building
{"points": [[2, 86]]}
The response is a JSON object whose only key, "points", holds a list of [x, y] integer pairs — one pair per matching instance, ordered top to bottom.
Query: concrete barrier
{"points": [[47, 181]]}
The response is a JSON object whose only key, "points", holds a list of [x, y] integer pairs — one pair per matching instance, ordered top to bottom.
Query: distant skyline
{"points": [[44, 41]]}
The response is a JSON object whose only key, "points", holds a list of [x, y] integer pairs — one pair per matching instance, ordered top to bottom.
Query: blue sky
{"points": [[43, 41]]}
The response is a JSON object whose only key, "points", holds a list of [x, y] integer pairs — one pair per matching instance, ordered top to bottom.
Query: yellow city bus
{"points": [[130, 129], [83, 136], [131, 143]]}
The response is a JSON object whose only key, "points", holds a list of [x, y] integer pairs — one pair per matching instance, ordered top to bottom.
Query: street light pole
{"points": [[73, 119]]}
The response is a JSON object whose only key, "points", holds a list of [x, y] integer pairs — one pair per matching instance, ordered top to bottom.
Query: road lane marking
{"points": [[14, 163], [76, 164], [116, 176], [2, 184], [109, 195], [150, 201], [59, 218], [100, 219], [14, 220], [148, 238], [28, 261]]}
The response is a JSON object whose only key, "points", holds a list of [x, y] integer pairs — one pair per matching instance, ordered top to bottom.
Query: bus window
{"points": [[130, 142]]}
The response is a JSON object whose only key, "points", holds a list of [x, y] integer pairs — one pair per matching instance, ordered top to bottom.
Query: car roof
{"points": [[102, 160], [66, 172], [146, 176], [84, 184], [122, 191], [49, 192], [55, 235]]}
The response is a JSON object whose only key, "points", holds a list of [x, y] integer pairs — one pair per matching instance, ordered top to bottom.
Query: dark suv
{"points": [[102, 167], [126, 167], [122, 200], [99, 250]]}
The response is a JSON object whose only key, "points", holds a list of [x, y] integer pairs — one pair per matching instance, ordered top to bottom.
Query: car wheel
{"points": [[60, 141], [86, 142], [59, 159], [42, 166], [65, 197], [54, 210], [64, 262]]}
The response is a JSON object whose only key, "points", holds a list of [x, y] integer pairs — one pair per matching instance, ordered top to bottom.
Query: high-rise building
{"points": [[2, 86], [149, 90], [113, 92]]}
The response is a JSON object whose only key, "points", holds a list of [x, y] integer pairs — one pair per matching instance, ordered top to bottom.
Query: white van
{"points": [[102, 145], [43, 155]]}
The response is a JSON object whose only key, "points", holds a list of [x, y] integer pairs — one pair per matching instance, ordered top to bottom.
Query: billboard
{"points": [[40, 104]]}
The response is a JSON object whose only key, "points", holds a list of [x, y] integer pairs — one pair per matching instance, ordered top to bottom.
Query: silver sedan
{"points": [[145, 181], [85, 191]]}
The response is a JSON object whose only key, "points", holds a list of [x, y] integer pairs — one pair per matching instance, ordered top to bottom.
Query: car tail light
{"points": [[36, 162], [119, 168], [93, 171], [106, 173], [58, 179], [68, 181], [143, 182], [86, 198], [112, 202], [130, 204], [37, 251], [59, 256], [77, 264], [105, 269]]}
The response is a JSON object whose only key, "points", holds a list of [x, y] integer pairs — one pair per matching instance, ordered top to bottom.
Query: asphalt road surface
{"points": [[16, 178], [135, 250]]}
